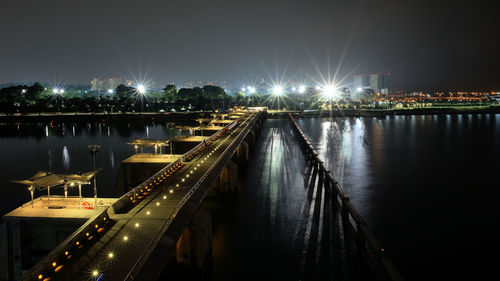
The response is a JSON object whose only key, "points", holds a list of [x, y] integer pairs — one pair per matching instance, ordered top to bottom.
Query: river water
{"points": [[427, 186]]}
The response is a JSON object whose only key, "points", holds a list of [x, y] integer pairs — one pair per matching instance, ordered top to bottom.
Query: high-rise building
{"points": [[361, 81], [375, 82], [379, 83], [104, 84]]}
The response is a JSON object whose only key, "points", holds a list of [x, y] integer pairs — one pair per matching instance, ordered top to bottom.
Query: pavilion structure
{"points": [[45, 180]]}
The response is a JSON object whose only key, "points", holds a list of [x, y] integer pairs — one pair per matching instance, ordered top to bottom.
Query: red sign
{"points": [[87, 205]]}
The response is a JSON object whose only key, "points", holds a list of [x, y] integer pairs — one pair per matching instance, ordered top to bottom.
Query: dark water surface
{"points": [[426, 185]]}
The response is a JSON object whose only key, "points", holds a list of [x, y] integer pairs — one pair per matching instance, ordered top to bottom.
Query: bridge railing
{"points": [[213, 137], [218, 164], [127, 199], [371, 250]]}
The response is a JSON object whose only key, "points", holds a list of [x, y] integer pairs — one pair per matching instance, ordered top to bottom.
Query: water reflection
{"points": [[344, 146], [65, 158], [411, 176]]}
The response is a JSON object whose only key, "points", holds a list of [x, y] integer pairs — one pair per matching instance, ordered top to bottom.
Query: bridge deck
{"points": [[128, 236]]}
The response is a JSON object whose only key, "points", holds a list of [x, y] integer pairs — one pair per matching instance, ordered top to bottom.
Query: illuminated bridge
{"points": [[152, 221]]}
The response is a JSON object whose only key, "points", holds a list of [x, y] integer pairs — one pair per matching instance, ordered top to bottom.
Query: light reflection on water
{"points": [[65, 158], [411, 178]]}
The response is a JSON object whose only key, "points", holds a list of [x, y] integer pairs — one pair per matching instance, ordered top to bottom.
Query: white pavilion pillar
{"points": [[80, 193], [48, 195], [65, 195], [32, 201]]}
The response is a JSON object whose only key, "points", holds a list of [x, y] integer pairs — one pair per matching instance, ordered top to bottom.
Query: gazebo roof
{"points": [[148, 142], [44, 179]]}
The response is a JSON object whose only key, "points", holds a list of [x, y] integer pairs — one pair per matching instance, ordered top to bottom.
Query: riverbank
{"points": [[389, 112], [190, 116], [100, 117]]}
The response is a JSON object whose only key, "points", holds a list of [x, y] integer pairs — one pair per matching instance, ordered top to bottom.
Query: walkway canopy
{"points": [[147, 143], [42, 180]]}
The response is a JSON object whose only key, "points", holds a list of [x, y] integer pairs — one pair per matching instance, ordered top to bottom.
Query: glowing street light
{"points": [[318, 87], [141, 89], [243, 89], [294, 89], [302, 89], [359, 89], [55, 90], [251, 90], [278, 90], [110, 91], [329, 91]]}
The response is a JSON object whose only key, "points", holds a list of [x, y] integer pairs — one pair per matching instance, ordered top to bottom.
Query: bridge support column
{"points": [[250, 139], [242, 153], [228, 179], [13, 243], [195, 244]]}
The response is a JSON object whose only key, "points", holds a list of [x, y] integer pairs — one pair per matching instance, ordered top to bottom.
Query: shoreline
{"points": [[189, 116], [100, 117]]}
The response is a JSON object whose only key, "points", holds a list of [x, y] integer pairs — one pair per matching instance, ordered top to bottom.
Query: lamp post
{"points": [[141, 89], [278, 91], [94, 149], [31, 189], [80, 193], [48, 195], [65, 195]]}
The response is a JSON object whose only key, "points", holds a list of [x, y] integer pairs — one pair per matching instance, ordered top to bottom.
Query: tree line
{"points": [[37, 98]]}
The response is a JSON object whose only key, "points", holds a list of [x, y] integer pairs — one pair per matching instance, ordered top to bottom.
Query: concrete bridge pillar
{"points": [[250, 139], [242, 153], [228, 179], [195, 244]]}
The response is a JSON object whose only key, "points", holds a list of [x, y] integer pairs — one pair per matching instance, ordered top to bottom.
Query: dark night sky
{"points": [[424, 44]]}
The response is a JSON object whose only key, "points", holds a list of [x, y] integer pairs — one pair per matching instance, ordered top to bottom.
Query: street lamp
{"points": [[141, 89], [302, 89], [278, 91], [94, 149], [31, 189]]}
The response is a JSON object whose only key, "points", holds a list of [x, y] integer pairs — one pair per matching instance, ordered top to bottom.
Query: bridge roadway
{"points": [[120, 247]]}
